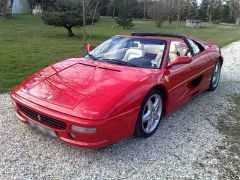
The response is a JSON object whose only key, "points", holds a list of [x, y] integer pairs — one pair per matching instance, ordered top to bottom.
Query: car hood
{"points": [[84, 85]]}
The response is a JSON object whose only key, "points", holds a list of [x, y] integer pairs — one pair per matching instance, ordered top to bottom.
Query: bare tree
{"points": [[212, 4], [113, 5], [87, 6], [145, 7], [180, 9], [172, 10], [159, 12], [94, 14], [84, 21]]}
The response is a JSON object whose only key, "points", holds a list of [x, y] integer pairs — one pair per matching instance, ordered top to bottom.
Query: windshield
{"points": [[140, 52]]}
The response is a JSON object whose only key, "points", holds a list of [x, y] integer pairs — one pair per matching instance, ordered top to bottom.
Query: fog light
{"points": [[83, 129]]}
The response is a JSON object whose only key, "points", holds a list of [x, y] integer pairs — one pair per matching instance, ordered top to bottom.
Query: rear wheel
{"points": [[215, 77], [150, 114]]}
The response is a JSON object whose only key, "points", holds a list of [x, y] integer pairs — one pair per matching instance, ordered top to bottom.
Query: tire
{"points": [[215, 76], [150, 114]]}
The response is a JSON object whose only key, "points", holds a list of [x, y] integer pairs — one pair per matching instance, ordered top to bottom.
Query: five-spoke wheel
{"points": [[150, 114]]}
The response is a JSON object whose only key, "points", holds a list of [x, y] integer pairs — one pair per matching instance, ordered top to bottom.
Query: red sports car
{"points": [[122, 87]]}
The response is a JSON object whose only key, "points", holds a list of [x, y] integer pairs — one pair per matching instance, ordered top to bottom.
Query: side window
{"points": [[178, 48], [197, 48]]}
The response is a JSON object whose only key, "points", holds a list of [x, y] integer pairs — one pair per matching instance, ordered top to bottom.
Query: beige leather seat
{"points": [[155, 49], [142, 50], [182, 51], [135, 52], [173, 52], [158, 58]]}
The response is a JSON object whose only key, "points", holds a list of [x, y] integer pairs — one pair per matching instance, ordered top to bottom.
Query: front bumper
{"points": [[108, 131]]}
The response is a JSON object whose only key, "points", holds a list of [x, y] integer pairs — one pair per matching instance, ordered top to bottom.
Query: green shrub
{"points": [[68, 14], [124, 20], [217, 21], [159, 22]]}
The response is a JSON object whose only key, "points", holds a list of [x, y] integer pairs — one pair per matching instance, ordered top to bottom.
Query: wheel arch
{"points": [[220, 58], [163, 90]]}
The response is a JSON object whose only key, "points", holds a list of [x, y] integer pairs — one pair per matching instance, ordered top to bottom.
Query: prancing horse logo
{"points": [[39, 117]]}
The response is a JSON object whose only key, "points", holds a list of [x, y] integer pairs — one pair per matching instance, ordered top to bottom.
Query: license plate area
{"points": [[37, 127]]}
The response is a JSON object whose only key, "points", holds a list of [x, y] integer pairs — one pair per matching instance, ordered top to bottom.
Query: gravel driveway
{"points": [[181, 147]]}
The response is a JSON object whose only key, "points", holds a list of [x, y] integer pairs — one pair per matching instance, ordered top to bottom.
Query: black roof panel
{"points": [[157, 34]]}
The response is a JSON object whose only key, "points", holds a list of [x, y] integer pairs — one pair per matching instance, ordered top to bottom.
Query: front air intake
{"points": [[42, 118]]}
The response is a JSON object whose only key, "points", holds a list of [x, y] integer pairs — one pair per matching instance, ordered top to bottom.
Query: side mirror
{"points": [[89, 48], [180, 60]]}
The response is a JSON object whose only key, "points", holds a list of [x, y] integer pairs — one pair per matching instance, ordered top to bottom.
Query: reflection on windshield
{"points": [[139, 52]]}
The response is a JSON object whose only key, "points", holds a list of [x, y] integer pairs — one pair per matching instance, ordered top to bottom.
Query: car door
{"points": [[200, 68], [179, 79]]}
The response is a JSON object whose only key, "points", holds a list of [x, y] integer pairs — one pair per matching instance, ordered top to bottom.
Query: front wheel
{"points": [[215, 77], [150, 114]]}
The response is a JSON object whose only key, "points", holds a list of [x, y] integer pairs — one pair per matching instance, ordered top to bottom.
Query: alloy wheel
{"points": [[216, 75], [152, 113]]}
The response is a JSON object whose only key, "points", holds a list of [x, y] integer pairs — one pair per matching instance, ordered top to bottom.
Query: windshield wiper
{"points": [[92, 57], [115, 61]]}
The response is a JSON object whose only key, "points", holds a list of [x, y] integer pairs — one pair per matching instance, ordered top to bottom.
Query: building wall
{"points": [[9, 3], [20, 7]]}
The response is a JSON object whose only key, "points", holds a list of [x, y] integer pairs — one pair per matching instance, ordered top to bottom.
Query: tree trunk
{"points": [[4, 9], [144, 9], [114, 10], [171, 11], [210, 11], [94, 14], [178, 16], [210, 16], [170, 19], [237, 21], [84, 23], [177, 26], [70, 32]]}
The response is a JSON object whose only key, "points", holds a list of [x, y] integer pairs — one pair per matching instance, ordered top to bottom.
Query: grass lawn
{"points": [[27, 45], [231, 151]]}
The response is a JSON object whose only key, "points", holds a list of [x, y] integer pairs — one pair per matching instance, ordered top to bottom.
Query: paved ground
{"points": [[181, 148]]}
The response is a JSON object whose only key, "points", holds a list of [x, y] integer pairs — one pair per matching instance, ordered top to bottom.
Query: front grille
{"points": [[42, 118]]}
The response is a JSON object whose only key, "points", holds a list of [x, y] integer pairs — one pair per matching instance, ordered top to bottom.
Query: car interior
{"points": [[177, 49], [144, 55], [150, 55]]}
